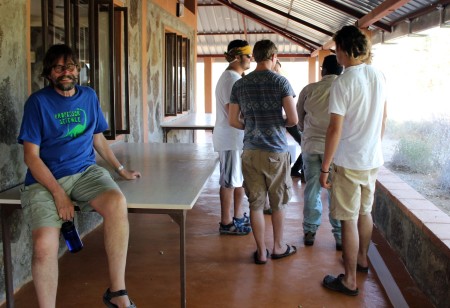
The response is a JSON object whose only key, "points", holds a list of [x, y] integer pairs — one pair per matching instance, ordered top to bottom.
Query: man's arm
{"points": [[289, 109], [301, 110], [234, 112], [383, 125], [332, 140], [103, 149], [43, 175]]}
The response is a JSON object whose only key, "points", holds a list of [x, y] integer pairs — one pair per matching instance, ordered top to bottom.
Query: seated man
{"points": [[62, 125]]}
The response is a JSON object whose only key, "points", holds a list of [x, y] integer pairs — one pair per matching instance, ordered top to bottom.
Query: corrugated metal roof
{"points": [[298, 27]]}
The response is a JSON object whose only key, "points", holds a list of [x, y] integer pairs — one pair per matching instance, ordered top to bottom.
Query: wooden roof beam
{"points": [[384, 9], [354, 13], [302, 41]]}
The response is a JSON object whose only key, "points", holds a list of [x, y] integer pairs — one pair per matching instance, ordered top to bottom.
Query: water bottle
{"points": [[71, 236]]}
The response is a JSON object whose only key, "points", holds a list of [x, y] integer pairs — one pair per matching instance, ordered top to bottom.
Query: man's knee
{"points": [[111, 204], [45, 244]]}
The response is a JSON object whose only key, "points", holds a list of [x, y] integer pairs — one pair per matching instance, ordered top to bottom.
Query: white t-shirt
{"points": [[359, 95], [225, 137]]}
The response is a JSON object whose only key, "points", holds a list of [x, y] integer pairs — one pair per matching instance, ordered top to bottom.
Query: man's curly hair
{"points": [[352, 41]]}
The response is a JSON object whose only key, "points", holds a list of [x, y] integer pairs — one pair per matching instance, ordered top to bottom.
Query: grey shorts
{"points": [[230, 169], [38, 204]]}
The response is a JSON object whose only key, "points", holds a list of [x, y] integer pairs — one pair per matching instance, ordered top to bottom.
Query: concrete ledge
{"points": [[418, 231]]}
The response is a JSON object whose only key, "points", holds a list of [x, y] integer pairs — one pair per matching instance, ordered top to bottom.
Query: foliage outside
{"points": [[423, 147]]}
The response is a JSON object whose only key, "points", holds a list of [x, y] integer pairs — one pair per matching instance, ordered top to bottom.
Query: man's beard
{"points": [[65, 86]]}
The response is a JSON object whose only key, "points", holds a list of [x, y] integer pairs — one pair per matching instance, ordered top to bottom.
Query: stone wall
{"points": [[13, 93], [145, 108], [418, 231]]}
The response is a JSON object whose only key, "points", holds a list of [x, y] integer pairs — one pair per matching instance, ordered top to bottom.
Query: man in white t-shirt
{"points": [[357, 121], [228, 141]]}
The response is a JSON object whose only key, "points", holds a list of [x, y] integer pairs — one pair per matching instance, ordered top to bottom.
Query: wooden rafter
{"points": [[384, 9], [354, 13], [297, 39]]}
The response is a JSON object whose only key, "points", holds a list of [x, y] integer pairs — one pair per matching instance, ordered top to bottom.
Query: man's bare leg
{"points": [[226, 198], [238, 200], [113, 207], [258, 226], [365, 228], [279, 246], [350, 246], [45, 265]]}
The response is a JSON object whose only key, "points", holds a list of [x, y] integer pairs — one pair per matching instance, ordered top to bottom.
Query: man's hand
{"points": [[129, 174], [324, 180], [64, 206]]}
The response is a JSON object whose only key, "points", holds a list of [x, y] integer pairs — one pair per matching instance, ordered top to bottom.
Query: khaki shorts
{"points": [[230, 169], [267, 174], [352, 192], [38, 204]]}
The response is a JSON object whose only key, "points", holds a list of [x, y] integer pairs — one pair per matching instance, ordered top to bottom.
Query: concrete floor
{"points": [[220, 269]]}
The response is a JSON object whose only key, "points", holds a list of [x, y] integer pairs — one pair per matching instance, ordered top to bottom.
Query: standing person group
{"points": [[260, 97], [312, 109], [228, 141], [347, 142], [353, 152]]}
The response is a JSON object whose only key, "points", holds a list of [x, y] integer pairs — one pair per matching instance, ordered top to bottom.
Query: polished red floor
{"points": [[220, 269]]}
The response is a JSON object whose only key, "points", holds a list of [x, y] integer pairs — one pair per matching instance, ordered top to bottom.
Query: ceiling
{"points": [[298, 27]]}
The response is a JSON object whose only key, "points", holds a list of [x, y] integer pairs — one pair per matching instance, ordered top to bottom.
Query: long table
{"points": [[191, 121], [186, 167]]}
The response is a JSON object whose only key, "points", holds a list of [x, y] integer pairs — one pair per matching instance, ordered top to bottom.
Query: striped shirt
{"points": [[259, 96]]}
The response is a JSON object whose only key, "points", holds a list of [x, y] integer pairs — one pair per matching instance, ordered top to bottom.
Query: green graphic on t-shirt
{"points": [[71, 118]]}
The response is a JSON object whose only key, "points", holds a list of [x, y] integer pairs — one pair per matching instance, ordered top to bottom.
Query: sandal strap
{"points": [[110, 294]]}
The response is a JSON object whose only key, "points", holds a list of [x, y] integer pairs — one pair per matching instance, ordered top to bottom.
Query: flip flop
{"points": [[287, 253], [257, 260], [362, 269], [335, 284]]}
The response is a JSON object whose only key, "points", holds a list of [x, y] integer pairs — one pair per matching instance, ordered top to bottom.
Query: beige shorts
{"points": [[267, 174], [352, 192], [38, 204]]}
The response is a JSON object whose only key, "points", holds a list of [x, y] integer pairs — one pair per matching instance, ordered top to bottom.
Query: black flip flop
{"points": [[287, 253], [257, 260], [362, 269], [335, 284], [109, 295]]}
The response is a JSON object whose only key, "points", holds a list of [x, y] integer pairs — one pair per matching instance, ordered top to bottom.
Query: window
{"points": [[102, 52], [177, 72]]}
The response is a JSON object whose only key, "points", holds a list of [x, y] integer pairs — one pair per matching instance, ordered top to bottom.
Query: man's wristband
{"points": [[120, 168], [324, 171]]}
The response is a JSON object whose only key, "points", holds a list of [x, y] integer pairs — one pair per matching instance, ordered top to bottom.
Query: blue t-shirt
{"points": [[260, 97], [63, 128]]}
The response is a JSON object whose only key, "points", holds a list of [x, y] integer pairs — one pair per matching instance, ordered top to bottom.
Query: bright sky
{"points": [[417, 70]]}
